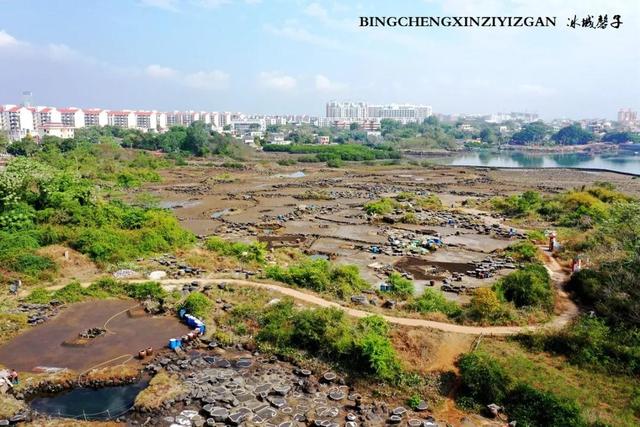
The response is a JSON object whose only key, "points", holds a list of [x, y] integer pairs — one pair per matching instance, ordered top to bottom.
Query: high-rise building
{"points": [[361, 111], [628, 116]]}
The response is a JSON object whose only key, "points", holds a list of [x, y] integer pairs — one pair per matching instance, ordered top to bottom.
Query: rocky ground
{"points": [[227, 387]]}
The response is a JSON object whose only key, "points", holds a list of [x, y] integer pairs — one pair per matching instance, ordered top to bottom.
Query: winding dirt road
{"points": [[566, 309]]}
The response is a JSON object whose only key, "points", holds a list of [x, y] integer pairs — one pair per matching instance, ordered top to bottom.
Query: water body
{"points": [[621, 161], [88, 403]]}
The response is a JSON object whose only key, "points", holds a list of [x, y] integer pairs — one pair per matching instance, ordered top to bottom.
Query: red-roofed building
{"points": [[72, 117], [95, 117], [122, 119], [17, 121]]}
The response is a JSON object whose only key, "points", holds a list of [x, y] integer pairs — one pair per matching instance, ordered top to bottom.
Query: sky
{"points": [[292, 56]]}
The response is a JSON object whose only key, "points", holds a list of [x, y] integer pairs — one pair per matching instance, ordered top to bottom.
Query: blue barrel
{"points": [[182, 312], [174, 343]]}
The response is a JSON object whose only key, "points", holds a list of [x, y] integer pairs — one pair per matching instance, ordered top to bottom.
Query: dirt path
{"points": [[568, 309]]}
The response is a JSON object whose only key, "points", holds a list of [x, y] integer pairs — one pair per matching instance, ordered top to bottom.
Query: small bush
{"points": [[380, 207], [255, 251], [400, 286], [528, 287], [433, 301], [197, 304], [484, 381]]}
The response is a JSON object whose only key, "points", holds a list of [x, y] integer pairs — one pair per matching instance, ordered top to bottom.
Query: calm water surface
{"points": [[622, 161]]}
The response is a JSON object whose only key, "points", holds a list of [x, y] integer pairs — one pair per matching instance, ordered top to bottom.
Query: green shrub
{"points": [[380, 207], [255, 251], [523, 251], [321, 276], [400, 286], [528, 287], [147, 290], [433, 301], [197, 304], [326, 332], [484, 381], [533, 408]]}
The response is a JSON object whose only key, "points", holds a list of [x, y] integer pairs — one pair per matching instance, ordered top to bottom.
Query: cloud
{"points": [[212, 4], [170, 5], [317, 11], [295, 32], [7, 40], [62, 52], [160, 72], [207, 80], [276, 80], [323, 84]]}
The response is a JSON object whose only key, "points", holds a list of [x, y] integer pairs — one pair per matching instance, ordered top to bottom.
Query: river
{"points": [[621, 161]]}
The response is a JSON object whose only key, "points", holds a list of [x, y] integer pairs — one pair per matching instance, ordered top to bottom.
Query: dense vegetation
{"points": [[344, 152], [68, 197], [582, 207], [321, 276], [103, 288], [609, 338], [362, 346], [484, 381]]}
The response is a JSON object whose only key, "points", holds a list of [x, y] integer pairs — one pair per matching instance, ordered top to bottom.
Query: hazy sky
{"points": [[291, 56]]}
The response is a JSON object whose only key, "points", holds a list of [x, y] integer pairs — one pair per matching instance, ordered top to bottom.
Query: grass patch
{"points": [[162, 388], [601, 396]]}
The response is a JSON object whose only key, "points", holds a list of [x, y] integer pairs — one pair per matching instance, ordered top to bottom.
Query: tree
{"points": [[354, 126], [531, 133], [572, 135], [488, 136], [622, 137], [196, 139], [4, 142], [27, 146]]}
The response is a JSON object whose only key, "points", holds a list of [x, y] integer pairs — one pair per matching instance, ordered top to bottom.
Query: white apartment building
{"points": [[346, 110], [361, 112], [44, 115], [72, 117], [95, 117], [173, 118], [122, 119], [17, 121], [146, 121], [249, 125]]}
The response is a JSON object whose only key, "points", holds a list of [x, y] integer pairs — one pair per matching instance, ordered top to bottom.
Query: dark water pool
{"points": [[93, 404]]}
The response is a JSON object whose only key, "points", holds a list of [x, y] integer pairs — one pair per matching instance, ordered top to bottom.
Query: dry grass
{"points": [[76, 267], [111, 374], [34, 381], [162, 388], [9, 406]]}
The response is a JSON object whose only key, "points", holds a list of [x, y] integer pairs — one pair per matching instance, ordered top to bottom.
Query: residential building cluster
{"points": [[368, 116], [18, 121]]}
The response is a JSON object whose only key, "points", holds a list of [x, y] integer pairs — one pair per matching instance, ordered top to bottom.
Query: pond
{"points": [[626, 161], [88, 403]]}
